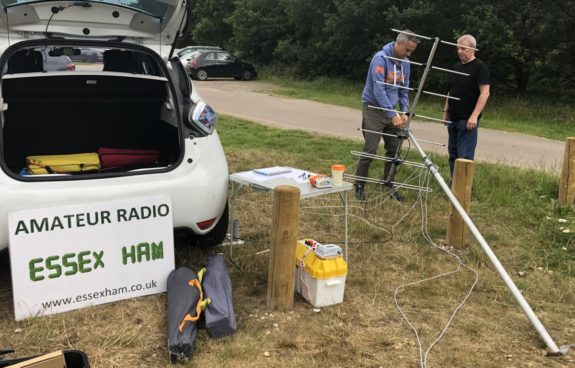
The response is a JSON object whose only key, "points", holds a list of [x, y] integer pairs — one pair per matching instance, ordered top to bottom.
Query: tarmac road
{"points": [[250, 101]]}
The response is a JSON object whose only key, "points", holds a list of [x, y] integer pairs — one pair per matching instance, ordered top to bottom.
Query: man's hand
{"points": [[404, 118], [397, 121], [471, 122]]}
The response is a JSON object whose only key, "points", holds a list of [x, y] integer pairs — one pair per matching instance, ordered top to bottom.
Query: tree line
{"points": [[526, 43]]}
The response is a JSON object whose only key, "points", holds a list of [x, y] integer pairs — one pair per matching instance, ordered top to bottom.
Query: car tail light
{"points": [[192, 63], [71, 67], [204, 117], [203, 225]]}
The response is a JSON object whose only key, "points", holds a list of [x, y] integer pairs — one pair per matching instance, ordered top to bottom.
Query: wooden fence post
{"points": [[567, 183], [461, 187], [281, 271]]}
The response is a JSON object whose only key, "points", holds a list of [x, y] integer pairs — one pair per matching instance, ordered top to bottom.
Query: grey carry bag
{"points": [[184, 299], [219, 316]]}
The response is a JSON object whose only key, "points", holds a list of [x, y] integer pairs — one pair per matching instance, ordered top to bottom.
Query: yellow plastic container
{"points": [[317, 267], [320, 279]]}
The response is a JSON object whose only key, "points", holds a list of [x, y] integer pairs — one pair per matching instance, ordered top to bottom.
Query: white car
{"points": [[136, 99]]}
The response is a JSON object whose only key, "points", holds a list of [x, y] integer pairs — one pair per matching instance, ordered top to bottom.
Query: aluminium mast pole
{"points": [[422, 82], [489, 252]]}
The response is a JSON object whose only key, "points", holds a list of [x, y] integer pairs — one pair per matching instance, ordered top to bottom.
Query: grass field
{"points": [[542, 116], [391, 244]]}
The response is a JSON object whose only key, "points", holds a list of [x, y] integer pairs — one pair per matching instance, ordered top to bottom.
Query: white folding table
{"points": [[296, 178]]}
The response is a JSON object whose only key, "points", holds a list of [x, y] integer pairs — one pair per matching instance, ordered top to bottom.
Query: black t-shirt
{"points": [[466, 88]]}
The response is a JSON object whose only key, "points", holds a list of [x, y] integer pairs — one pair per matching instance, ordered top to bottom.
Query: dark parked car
{"points": [[185, 53], [58, 63], [219, 64]]}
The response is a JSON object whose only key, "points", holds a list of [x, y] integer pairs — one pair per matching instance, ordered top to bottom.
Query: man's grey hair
{"points": [[406, 35], [470, 40]]}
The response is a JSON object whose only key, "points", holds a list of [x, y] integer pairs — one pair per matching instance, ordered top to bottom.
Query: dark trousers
{"points": [[376, 120], [462, 142]]}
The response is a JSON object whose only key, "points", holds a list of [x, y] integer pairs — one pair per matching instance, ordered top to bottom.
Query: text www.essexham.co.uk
{"points": [[100, 294]]}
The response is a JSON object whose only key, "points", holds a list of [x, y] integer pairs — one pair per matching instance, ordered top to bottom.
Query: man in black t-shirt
{"points": [[473, 92]]}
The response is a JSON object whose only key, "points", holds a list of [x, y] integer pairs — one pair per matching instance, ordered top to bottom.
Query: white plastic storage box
{"points": [[320, 273]]}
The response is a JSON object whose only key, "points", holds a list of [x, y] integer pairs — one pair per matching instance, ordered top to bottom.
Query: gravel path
{"points": [[251, 101]]}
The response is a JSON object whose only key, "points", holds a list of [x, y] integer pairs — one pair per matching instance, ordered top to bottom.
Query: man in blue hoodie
{"points": [[385, 88]]}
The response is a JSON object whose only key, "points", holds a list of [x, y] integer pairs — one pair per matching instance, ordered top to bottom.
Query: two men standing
{"points": [[385, 87]]}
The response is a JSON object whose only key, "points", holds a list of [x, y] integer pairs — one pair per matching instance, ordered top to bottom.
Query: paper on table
{"points": [[269, 171], [299, 176]]}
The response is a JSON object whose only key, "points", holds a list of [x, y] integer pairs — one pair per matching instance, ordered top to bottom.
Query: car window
{"points": [[185, 52], [88, 55], [194, 55], [210, 56], [225, 56], [52, 59]]}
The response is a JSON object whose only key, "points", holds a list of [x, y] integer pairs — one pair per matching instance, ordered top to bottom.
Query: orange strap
{"points": [[194, 283]]}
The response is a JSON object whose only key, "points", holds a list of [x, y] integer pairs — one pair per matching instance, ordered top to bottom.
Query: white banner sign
{"points": [[70, 257]]}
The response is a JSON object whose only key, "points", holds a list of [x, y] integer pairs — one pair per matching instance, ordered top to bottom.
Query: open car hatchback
{"points": [[137, 100]]}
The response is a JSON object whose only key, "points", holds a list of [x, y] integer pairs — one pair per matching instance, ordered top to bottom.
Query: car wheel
{"points": [[202, 75], [247, 75], [218, 234]]}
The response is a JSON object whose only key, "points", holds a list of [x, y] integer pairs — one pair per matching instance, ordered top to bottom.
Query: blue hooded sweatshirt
{"points": [[389, 71]]}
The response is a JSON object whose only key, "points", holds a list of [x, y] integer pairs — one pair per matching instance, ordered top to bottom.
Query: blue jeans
{"points": [[462, 142]]}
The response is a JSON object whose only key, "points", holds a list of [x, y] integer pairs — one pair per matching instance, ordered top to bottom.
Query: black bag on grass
{"points": [[184, 298], [219, 316]]}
